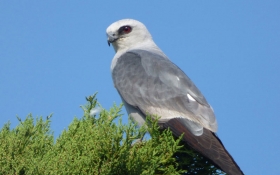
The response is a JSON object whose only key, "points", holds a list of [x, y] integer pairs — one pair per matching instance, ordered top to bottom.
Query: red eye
{"points": [[125, 30]]}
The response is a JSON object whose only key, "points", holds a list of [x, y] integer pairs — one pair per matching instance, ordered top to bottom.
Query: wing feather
{"points": [[152, 83], [208, 144]]}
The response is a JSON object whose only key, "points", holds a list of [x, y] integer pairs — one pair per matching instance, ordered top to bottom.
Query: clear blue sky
{"points": [[54, 53]]}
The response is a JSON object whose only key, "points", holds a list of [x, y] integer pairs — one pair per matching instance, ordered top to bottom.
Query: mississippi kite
{"points": [[149, 83]]}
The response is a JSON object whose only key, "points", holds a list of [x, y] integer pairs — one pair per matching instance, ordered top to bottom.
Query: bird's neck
{"points": [[148, 45]]}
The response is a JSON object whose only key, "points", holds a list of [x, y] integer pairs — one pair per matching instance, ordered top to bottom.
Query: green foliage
{"points": [[95, 144], [23, 147]]}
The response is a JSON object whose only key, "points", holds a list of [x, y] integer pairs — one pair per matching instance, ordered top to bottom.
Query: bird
{"points": [[149, 83]]}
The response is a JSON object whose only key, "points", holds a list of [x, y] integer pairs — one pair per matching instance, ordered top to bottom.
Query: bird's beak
{"points": [[111, 38]]}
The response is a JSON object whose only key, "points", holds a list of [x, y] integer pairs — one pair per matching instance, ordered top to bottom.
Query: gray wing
{"points": [[152, 83]]}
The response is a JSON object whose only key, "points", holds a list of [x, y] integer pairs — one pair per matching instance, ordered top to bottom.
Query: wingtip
{"points": [[208, 144]]}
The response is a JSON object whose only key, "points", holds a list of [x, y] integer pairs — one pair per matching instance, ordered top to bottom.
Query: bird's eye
{"points": [[125, 30]]}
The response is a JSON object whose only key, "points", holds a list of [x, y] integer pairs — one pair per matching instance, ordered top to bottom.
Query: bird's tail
{"points": [[208, 144]]}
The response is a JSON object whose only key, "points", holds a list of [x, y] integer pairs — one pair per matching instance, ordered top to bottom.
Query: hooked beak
{"points": [[111, 38]]}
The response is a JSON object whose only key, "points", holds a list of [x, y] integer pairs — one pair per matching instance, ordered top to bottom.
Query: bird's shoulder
{"points": [[138, 64], [151, 82]]}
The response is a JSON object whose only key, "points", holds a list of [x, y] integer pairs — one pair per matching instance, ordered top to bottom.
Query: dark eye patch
{"points": [[125, 30]]}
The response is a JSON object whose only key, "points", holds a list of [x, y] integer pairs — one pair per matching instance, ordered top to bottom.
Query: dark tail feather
{"points": [[208, 144]]}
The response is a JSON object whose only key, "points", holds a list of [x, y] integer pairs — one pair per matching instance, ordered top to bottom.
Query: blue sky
{"points": [[54, 53]]}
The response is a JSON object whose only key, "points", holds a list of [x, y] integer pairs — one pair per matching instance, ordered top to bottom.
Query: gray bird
{"points": [[150, 84]]}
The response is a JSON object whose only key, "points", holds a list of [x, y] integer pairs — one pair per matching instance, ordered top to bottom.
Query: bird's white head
{"points": [[127, 34]]}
